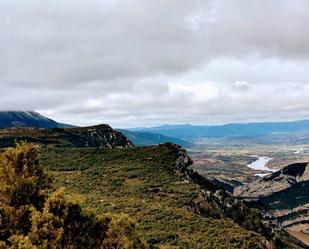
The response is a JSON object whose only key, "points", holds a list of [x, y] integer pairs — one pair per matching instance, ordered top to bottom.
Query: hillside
{"points": [[10, 119], [191, 132], [102, 136], [149, 138], [174, 206], [34, 217]]}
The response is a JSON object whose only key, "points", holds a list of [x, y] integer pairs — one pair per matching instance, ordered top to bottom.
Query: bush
{"points": [[30, 218]]}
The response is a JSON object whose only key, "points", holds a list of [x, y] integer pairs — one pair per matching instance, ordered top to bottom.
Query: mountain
{"points": [[10, 119], [191, 132], [101, 136], [149, 138]]}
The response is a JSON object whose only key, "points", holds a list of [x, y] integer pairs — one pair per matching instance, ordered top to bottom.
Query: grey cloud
{"points": [[79, 41], [119, 61]]}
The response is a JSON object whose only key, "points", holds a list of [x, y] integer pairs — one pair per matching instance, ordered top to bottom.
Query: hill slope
{"points": [[10, 119], [174, 207]]}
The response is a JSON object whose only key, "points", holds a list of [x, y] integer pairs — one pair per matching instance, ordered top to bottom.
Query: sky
{"points": [[148, 62]]}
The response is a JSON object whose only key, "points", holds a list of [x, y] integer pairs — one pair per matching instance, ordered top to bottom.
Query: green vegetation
{"points": [[102, 136], [142, 183], [111, 187], [31, 218]]}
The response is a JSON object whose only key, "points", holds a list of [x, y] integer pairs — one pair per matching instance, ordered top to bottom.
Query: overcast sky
{"points": [[150, 62]]}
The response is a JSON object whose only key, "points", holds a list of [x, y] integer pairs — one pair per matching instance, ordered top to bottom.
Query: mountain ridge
{"points": [[10, 119], [32, 119], [193, 132], [100, 136]]}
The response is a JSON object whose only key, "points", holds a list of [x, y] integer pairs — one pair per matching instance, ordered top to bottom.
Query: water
{"points": [[260, 164]]}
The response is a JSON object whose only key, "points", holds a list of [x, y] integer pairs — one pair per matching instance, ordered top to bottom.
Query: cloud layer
{"points": [[148, 62]]}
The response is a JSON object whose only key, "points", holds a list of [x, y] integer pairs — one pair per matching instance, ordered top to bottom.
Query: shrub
{"points": [[32, 219]]}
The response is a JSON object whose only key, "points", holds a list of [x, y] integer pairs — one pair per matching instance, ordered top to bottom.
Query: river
{"points": [[261, 164]]}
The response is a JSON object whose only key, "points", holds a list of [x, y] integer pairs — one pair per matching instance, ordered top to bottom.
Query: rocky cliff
{"points": [[101, 136], [278, 181], [283, 196], [217, 203]]}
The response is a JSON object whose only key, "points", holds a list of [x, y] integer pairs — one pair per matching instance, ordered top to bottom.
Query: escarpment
{"points": [[100, 136], [103, 136], [275, 182], [284, 197], [217, 203]]}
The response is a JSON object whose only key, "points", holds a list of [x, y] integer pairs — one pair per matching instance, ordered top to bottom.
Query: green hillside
{"points": [[143, 182]]}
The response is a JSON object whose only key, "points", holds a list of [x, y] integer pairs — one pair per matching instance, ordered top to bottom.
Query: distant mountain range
{"points": [[9, 119], [192, 132], [179, 134], [149, 138]]}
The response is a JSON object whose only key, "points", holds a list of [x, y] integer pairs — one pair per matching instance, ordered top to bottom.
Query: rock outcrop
{"points": [[100, 136], [103, 136], [275, 182], [284, 197]]}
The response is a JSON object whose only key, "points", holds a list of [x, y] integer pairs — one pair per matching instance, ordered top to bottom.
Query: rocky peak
{"points": [[104, 136]]}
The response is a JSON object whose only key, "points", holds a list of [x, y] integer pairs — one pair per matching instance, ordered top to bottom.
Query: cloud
{"points": [[150, 62]]}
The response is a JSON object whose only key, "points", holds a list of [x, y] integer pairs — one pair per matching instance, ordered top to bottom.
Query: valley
{"points": [[154, 124], [230, 160], [234, 166]]}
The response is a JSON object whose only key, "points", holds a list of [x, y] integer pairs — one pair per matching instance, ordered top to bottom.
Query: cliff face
{"points": [[101, 136], [278, 181], [284, 196], [217, 203]]}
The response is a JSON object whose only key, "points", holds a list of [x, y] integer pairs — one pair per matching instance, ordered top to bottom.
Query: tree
{"points": [[30, 218]]}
